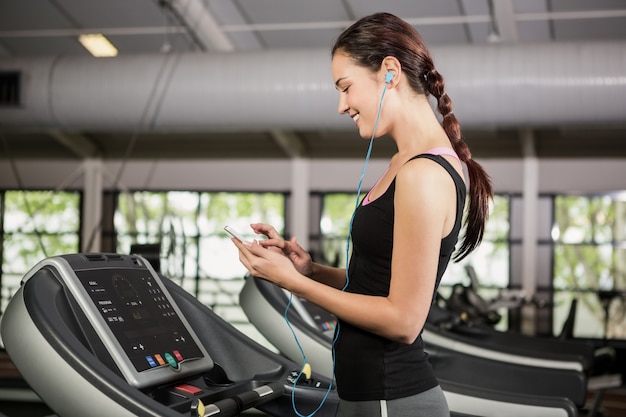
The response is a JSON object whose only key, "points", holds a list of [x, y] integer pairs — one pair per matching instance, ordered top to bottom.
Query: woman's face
{"points": [[359, 93]]}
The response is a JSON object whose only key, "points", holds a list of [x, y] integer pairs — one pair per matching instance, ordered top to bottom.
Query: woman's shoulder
{"points": [[423, 163], [423, 173]]}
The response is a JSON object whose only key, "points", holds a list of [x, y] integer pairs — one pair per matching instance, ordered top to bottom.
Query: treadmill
{"points": [[447, 325], [445, 328], [105, 334], [473, 386]]}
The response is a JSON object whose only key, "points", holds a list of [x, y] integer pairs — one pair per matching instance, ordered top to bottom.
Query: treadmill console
{"points": [[134, 316], [119, 339]]}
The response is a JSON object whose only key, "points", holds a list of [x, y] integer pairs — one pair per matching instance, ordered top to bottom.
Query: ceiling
{"points": [[37, 28]]}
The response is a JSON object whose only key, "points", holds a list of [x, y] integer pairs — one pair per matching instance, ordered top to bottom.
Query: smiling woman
{"points": [[403, 232]]}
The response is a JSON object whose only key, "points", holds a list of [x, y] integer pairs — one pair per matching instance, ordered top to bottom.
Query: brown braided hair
{"points": [[367, 42]]}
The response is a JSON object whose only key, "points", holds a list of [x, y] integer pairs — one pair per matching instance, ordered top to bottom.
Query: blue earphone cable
{"points": [[388, 78], [304, 361]]}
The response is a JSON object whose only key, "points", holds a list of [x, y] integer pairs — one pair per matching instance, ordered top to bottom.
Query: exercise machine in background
{"points": [[485, 380]]}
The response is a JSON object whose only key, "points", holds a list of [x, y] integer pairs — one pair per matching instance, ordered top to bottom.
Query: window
{"points": [[335, 219], [35, 225], [189, 226], [589, 235], [492, 258]]}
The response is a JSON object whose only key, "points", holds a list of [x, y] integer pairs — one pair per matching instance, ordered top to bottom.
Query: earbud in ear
{"points": [[388, 77]]}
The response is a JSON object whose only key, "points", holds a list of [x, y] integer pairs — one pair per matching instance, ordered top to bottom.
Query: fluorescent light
{"points": [[97, 45]]}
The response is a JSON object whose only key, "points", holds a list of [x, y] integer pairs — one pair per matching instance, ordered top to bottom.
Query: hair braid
{"points": [[435, 85], [481, 188]]}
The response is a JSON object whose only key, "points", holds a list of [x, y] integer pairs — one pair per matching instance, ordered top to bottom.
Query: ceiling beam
{"points": [[504, 22], [200, 24], [222, 30], [289, 142], [76, 143]]}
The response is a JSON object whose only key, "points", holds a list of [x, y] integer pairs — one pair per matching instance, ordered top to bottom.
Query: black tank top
{"points": [[371, 367]]}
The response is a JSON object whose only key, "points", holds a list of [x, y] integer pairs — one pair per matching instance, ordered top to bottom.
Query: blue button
{"points": [[151, 361]]}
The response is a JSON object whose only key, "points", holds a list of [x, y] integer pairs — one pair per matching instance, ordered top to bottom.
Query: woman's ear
{"points": [[391, 69]]}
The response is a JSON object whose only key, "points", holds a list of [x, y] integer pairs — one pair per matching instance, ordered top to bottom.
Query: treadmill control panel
{"points": [[134, 316], [141, 317]]}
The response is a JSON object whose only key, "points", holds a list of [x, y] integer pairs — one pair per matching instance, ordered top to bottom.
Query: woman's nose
{"points": [[342, 107]]}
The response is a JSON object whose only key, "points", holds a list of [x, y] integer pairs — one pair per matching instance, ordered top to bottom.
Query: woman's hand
{"points": [[300, 258], [261, 262]]}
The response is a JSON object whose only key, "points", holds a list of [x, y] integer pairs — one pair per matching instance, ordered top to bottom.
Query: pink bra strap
{"points": [[443, 151], [366, 200]]}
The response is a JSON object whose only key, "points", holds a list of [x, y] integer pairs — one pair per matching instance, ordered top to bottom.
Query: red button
{"points": [[188, 389]]}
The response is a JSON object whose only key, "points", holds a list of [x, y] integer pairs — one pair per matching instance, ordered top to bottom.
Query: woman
{"points": [[404, 231]]}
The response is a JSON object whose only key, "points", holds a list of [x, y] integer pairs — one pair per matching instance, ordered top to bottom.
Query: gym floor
{"points": [[613, 402], [613, 405], [23, 409], [29, 409]]}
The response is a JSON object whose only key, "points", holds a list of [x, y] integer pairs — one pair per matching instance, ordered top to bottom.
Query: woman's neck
{"points": [[417, 129]]}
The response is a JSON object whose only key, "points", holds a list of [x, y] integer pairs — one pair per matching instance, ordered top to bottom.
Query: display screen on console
{"points": [[140, 316]]}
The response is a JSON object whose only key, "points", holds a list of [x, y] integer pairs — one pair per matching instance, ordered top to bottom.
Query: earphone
{"points": [[306, 368]]}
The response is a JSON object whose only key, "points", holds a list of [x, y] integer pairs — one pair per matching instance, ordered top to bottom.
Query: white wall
{"points": [[555, 175]]}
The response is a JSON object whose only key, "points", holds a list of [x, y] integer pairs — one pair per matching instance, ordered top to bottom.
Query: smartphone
{"points": [[234, 233]]}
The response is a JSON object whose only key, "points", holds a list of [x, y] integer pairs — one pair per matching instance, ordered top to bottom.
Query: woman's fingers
{"points": [[265, 229], [274, 240], [244, 254], [251, 255]]}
